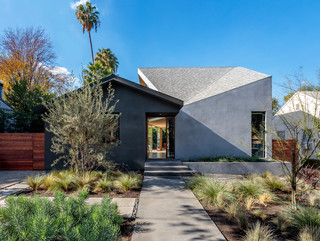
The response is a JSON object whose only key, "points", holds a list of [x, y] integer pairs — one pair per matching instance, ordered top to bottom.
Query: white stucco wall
{"points": [[221, 124]]}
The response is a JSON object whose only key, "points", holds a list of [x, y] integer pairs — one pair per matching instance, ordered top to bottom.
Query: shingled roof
{"points": [[192, 84]]}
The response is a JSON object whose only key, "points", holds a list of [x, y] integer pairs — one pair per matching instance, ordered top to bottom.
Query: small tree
{"points": [[82, 122], [296, 130]]}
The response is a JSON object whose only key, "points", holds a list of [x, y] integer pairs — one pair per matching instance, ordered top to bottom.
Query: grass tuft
{"points": [[128, 181], [34, 182], [104, 184], [259, 233], [309, 233]]}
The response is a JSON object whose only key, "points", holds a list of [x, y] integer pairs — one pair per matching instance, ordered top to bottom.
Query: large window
{"points": [[258, 134]]}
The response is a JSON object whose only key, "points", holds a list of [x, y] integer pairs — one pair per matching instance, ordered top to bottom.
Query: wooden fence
{"points": [[281, 150], [21, 151]]}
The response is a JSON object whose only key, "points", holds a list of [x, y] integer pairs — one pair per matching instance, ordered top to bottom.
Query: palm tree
{"points": [[89, 18], [108, 59], [95, 72]]}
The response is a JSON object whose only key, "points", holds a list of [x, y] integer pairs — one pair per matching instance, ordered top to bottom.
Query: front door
{"points": [[160, 137]]}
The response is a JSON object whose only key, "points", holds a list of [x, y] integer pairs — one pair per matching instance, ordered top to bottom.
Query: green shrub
{"points": [[84, 180], [48, 181], [196, 181], [34, 182], [64, 182], [127, 182], [275, 184], [103, 185], [249, 188], [214, 193], [305, 216], [63, 219], [242, 219], [282, 221], [259, 233], [309, 233]]}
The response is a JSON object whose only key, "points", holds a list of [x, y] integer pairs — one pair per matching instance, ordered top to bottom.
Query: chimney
{"points": [[1, 91]]}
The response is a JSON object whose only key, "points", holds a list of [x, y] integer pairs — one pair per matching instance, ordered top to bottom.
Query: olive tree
{"points": [[83, 124]]}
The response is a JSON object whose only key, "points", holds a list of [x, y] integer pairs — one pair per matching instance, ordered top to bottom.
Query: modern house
{"points": [[183, 113], [296, 117]]}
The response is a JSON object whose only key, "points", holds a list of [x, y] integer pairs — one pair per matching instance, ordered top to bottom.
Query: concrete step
{"points": [[163, 163], [166, 168], [169, 173]]}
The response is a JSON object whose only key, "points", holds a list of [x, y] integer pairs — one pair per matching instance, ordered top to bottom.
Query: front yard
{"points": [[57, 207], [257, 207]]}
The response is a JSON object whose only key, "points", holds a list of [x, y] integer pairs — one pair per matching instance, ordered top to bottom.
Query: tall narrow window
{"points": [[258, 134]]}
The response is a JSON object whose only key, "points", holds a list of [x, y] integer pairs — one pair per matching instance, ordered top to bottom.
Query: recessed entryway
{"points": [[160, 137]]}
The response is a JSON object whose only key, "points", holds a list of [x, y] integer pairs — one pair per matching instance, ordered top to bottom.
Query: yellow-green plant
{"points": [[49, 180], [128, 181], [34, 182], [103, 185], [260, 214], [260, 233], [309, 233]]}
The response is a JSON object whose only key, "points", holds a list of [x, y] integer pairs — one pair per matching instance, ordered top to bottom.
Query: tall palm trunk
{"points": [[91, 47]]}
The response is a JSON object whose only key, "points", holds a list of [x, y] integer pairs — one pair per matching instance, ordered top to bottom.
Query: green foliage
{"points": [[95, 72], [22, 100], [275, 105], [4, 121], [82, 122], [228, 159], [196, 181], [34, 182], [64, 182], [127, 182], [276, 184], [103, 185], [249, 188], [214, 193], [233, 208], [259, 214], [304, 216], [63, 219], [242, 219], [282, 221], [260, 233], [309, 233]]}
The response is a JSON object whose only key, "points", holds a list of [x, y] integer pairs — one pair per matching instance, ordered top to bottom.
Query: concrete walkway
{"points": [[167, 211]]}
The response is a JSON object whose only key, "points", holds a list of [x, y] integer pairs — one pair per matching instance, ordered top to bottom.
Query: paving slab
{"points": [[8, 178], [12, 189], [167, 211]]}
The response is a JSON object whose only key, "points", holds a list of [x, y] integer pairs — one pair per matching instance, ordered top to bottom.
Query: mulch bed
{"points": [[134, 193], [230, 228], [127, 229]]}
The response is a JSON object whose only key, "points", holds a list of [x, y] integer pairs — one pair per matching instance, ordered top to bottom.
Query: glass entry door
{"points": [[160, 137]]}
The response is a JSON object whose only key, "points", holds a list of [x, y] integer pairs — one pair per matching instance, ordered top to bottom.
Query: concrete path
{"points": [[167, 211]]}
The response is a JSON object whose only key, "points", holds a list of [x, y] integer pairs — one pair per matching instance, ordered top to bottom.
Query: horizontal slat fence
{"points": [[282, 150], [21, 151]]}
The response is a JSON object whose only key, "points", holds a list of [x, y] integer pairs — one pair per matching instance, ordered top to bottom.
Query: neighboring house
{"points": [[3, 105], [297, 111], [185, 113]]}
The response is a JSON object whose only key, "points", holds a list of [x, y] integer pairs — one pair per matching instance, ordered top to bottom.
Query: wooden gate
{"points": [[282, 150], [21, 151]]}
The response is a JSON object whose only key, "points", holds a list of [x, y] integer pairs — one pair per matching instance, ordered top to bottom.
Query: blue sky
{"points": [[274, 37]]}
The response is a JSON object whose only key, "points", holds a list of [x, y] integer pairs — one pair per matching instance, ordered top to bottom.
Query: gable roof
{"points": [[130, 84], [192, 84], [312, 94]]}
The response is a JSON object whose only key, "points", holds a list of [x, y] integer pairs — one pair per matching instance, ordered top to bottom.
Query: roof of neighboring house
{"points": [[192, 84], [146, 90], [313, 94], [4, 105]]}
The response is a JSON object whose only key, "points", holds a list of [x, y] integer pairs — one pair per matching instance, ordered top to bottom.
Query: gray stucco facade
{"points": [[134, 106], [210, 121], [221, 124]]}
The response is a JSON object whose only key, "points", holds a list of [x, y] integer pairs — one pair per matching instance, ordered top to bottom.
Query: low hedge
{"points": [[63, 218]]}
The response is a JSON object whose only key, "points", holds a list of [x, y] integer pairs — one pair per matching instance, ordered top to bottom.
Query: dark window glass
{"points": [[258, 134]]}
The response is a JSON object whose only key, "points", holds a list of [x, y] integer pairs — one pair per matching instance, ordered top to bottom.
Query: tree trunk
{"points": [[91, 47], [293, 180]]}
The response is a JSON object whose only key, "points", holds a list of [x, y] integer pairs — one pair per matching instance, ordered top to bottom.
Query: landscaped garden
{"points": [[96, 183], [258, 207]]}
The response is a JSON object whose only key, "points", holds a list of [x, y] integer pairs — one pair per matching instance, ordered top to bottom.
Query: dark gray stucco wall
{"points": [[133, 106], [221, 125]]}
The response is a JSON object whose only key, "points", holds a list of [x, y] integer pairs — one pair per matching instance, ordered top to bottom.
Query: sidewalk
{"points": [[167, 211]]}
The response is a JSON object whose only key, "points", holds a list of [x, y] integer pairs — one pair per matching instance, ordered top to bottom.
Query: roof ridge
{"points": [[188, 67], [200, 92]]}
